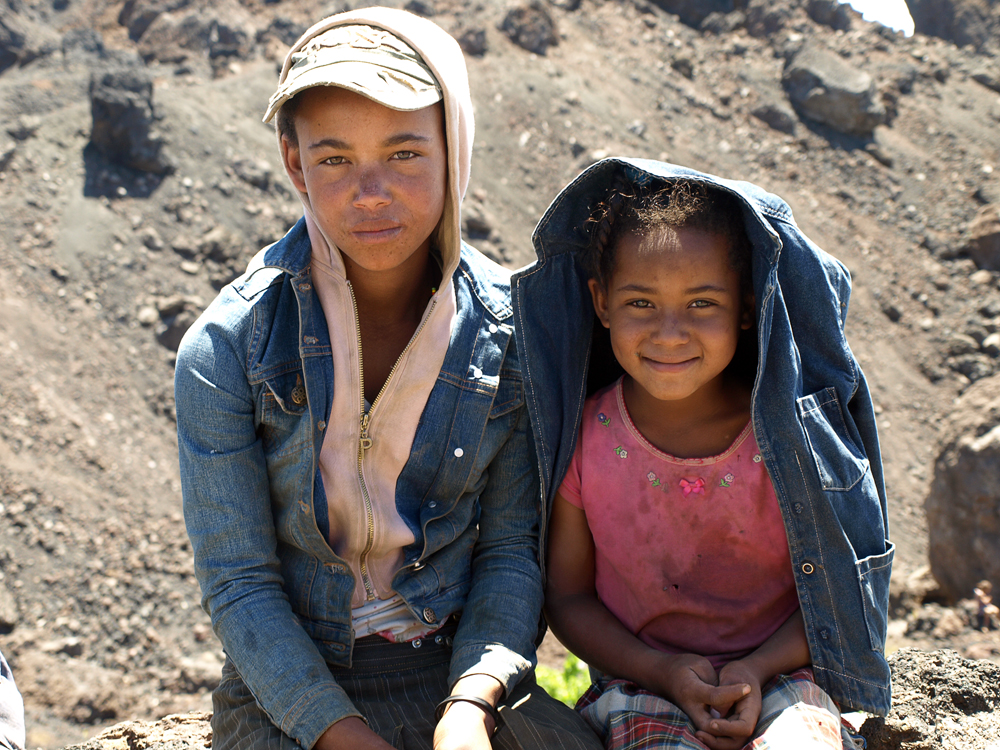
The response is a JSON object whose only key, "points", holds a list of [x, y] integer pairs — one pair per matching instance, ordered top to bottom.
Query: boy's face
{"points": [[376, 178]]}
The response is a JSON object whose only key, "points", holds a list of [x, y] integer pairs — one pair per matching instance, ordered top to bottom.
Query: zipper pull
{"points": [[366, 442]]}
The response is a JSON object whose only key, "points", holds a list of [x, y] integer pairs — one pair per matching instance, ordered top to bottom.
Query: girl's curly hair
{"points": [[631, 208]]}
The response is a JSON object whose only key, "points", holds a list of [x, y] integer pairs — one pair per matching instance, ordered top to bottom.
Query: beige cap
{"points": [[364, 59]]}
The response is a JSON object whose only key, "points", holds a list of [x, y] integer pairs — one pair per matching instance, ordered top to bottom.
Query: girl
{"points": [[677, 565]]}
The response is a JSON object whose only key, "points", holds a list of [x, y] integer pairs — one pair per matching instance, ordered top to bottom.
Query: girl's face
{"points": [[674, 308]]}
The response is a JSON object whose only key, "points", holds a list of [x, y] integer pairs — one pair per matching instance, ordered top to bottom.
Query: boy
{"points": [[358, 482]]}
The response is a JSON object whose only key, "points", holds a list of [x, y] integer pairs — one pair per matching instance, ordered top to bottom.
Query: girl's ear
{"points": [[292, 158], [600, 297], [749, 311]]}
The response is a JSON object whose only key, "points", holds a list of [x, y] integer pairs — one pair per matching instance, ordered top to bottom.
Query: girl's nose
{"points": [[372, 191], [670, 329]]}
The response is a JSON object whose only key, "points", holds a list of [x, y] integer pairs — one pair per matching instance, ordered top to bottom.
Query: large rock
{"points": [[693, 12], [138, 15], [974, 22], [530, 26], [225, 30], [22, 40], [824, 87], [121, 104], [984, 237], [963, 505], [940, 700], [178, 732]]}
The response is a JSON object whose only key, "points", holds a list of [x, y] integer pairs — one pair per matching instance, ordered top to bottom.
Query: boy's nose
{"points": [[372, 191]]}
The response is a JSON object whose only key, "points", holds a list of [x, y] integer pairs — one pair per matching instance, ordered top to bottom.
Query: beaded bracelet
{"points": [[484, 704]]}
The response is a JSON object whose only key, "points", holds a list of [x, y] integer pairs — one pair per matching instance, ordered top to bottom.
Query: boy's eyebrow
{"points": [[394, 140]]}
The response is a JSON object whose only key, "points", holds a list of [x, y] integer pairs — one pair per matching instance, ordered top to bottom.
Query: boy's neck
{"points": [[397, 296], [702, 425]]}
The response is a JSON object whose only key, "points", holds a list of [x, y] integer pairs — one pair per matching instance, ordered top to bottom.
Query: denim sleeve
{"points": [[227, 510], [496, 635]]}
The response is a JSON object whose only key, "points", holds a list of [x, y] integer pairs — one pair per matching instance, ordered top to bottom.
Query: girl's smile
{"points": [[675, 310]]}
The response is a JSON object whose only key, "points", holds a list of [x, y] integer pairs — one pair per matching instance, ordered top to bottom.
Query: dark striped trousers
{"points": [[397, 687]]}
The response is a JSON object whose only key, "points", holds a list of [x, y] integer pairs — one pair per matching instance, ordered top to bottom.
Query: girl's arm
{"points": [[588, 629], [784, 652]]}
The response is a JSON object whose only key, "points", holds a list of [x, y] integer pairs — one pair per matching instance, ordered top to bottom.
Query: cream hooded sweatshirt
{"points": [[360, 483]]}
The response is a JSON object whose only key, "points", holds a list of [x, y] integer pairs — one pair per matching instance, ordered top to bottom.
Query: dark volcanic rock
{"points": [[693, 12], [974, 22], [531, 27], [829, 90], [121, 104]]}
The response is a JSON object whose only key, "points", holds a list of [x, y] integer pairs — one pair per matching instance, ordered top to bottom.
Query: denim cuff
{"points": [[499, 662], [315, 711]]}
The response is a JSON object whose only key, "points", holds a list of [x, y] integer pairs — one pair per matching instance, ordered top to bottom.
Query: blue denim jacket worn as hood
{"points": [[812, 412], [254, 503]]}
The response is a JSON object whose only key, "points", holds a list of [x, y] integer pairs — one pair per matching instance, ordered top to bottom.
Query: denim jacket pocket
{"points": [[510, 395], [282, 405], [839, 462], [873, 577]]}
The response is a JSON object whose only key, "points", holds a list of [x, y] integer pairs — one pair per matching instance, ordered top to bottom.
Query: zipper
{"points": [[365, 441]]}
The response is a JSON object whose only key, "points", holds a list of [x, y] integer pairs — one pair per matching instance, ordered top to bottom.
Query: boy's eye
{"points": [[404, 155], [334, 160], [641, 303], [701, 303]]}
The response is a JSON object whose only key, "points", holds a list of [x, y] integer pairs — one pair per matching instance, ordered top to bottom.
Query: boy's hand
{"points": [[692, 684], [739, 718], [464, 726]]}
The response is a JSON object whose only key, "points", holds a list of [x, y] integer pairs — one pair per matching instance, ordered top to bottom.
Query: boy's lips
{"points": [[376, 231]]}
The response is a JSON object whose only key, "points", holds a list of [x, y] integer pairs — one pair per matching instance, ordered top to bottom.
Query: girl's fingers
{"points": [[724, 696], [736, 728], [719, 743]]}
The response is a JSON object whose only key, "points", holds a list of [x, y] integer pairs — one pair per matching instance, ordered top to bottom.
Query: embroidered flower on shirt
{"points": [[603, 419], [622, 453], [757, 459], [652, 478], [727, 480], [697, 486]]}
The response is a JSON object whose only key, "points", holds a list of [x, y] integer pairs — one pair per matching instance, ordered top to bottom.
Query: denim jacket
{"points": [[812, 412], [254, 503]]}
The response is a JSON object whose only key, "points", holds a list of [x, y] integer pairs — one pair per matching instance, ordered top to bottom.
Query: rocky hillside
{"points": [[136, 178]]}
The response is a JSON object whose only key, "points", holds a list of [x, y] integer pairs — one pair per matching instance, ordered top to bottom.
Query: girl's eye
{"points": [[404, 155], [640, 303], [701, 303]]}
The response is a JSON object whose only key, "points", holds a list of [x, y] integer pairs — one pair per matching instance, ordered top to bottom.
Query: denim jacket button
{"points": [[305, 287], [493, 328], [309, 340], [321, 425], [459, 453], [432, 504], [797, 507], [808, 568], [429, 615], [824, 634], [416, 643]]}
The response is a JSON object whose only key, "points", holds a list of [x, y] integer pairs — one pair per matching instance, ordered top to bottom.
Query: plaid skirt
{"points": [[796, 714]]}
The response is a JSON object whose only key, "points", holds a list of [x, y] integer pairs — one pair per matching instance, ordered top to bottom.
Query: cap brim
{"points": [[386, 87]]}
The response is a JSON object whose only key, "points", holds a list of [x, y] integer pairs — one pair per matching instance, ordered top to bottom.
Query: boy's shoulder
{"points": [[488, 281]]}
